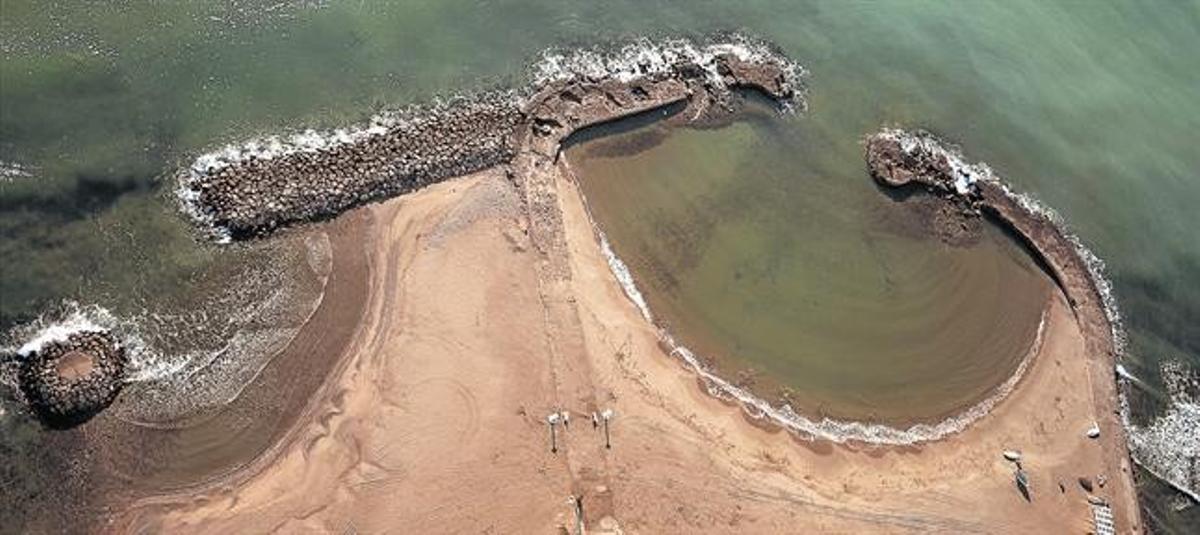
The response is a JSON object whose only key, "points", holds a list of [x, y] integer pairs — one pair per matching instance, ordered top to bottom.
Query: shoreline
{"points": [[898, 158], [267, 184], [510, 316], [472, 335], [759, 408], [241, 436]]}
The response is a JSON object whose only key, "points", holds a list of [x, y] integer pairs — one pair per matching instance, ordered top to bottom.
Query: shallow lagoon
{"points": [[809, 286]]}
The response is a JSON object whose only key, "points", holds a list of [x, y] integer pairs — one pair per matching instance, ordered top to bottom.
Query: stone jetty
{"points": [[899, 158], [257, 188], [260, 193], [66, 382]]}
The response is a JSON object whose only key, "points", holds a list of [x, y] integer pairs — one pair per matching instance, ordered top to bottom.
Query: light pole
{"points": [[606, 415], [553, 420]]}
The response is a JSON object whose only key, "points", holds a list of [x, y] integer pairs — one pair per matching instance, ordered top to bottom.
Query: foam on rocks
{"points": [[255, 188]]}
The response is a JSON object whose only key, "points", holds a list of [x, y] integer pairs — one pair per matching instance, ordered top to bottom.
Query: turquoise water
{"points": [[1091, 106]]}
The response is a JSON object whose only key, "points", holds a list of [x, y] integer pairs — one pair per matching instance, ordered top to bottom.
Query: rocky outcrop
{"points": [[898, 158], [257, 188], [263, 190], [66, 382]]}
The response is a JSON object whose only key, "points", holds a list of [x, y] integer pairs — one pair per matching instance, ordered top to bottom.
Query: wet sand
{"points": [[476, 327], [216, 445]]}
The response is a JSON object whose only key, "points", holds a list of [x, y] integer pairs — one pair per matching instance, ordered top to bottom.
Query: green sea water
{"points": [[1091, 106]]}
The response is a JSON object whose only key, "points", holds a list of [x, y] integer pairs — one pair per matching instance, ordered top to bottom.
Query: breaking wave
{"points": [[646, 58], [623, 62], [307, 140], [12, 171], [181, 361], [1167, 447]]}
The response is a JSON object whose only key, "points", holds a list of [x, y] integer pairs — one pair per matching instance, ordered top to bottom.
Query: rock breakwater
{"points": [[899, 158], [264, 186], [254, 189], [66, 382]]}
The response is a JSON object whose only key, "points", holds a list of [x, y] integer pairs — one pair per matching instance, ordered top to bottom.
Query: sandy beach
{"points": [[434, 417]]}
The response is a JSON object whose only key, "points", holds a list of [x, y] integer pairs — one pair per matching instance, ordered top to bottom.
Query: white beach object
{"points": [[607, 414], [566, 417], [552, 419], [1093, 431], [1012, 455]]}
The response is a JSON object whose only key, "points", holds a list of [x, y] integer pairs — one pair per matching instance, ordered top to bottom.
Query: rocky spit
{"points": [[900, 158], [259, 187], [261, 191], [66, 382]]}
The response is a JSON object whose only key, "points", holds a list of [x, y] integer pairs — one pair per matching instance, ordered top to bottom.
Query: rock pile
{"points": [[898, 157], [252, 191], [256, 195], [66, 382]]}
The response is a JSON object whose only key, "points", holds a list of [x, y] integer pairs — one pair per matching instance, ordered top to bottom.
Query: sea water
{"points": [[1088, 106]]}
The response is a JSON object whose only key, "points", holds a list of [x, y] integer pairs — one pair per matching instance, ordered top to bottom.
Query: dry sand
{"points": [[434, 419]]}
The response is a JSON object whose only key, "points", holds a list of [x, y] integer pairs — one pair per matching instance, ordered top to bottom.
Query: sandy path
{"points": [[435, 421]]}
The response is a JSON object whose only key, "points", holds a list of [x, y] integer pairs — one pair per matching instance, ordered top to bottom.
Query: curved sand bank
{"points": [[490, 305], [434, 420]]}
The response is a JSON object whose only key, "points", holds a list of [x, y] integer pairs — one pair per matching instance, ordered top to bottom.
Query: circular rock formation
{"points": [[66, 382]]}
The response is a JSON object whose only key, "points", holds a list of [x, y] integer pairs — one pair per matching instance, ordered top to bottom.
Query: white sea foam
{"points": [[646, 57], [640, 58], [271, 147], [12, 171], [965, 174], [624, 277], [75, 317], [78, 319], [219, 353], [204, 355], [1168, 447]]}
